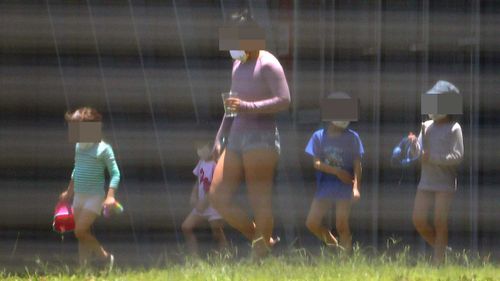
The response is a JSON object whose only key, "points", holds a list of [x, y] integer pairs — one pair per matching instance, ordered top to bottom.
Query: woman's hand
{"points": [[234, 104]]}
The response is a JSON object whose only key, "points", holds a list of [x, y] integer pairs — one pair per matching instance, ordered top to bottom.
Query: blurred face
{"points": [[240, 41], [239, 55], [437, 117], [340, 124], [84, 133], [85, 145], [204, 152]]}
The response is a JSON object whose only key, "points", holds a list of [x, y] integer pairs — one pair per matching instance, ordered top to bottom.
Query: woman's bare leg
{"points": [[259, 166], [226, 180]]}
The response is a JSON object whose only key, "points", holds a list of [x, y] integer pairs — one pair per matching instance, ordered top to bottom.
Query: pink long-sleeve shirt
{"points": [[262, 87]]}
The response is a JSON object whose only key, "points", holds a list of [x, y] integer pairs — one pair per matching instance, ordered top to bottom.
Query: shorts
{"points": [[254, 139], [427, 185], [432, 188], [334, 193], [90, 202], [210, 214]]}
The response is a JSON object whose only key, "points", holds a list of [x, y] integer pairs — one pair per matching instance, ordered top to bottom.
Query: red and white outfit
{"points": [[204, 170]]}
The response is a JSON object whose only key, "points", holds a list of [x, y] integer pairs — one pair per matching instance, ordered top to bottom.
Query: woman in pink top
{"points": [[252, 149]]}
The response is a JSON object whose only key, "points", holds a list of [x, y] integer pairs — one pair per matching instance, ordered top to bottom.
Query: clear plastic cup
{"points": [[227, 110]]}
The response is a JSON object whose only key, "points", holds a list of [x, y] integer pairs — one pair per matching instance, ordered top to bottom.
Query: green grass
{"points": [[294, 265]]}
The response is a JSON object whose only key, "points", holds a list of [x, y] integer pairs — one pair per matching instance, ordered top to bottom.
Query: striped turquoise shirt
{"points": [[90, 163]]}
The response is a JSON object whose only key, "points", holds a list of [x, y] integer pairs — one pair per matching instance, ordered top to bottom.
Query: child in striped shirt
{"points": [[87, 187]]}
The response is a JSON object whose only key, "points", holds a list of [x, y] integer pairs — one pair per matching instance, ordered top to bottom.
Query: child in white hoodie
{"points": [[443, 149]]}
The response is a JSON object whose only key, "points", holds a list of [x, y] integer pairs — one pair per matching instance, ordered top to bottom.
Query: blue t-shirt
{"points": [[339, 151]]}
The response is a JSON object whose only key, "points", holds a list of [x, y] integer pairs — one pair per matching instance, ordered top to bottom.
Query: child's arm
{"points": [[422, 140], [358, 170], [114, 173], [343, 175], [68, 193], [110, 198]]}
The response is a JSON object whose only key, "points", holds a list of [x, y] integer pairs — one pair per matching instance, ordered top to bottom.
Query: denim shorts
{"points": [[254, 139]]}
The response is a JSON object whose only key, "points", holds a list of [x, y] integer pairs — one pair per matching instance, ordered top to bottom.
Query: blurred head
{"points": [[242, 36], [441, 101], [339, 124], [84, 126], [204, 149]]}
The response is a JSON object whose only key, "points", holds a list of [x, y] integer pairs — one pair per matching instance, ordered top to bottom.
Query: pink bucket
{"points": [[63, 218]]}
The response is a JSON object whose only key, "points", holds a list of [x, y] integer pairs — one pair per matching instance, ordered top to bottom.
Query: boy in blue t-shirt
{"points": [[337, 153]]}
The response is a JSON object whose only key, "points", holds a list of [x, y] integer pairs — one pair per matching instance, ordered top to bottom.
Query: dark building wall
{"points": [[156, 73]]}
